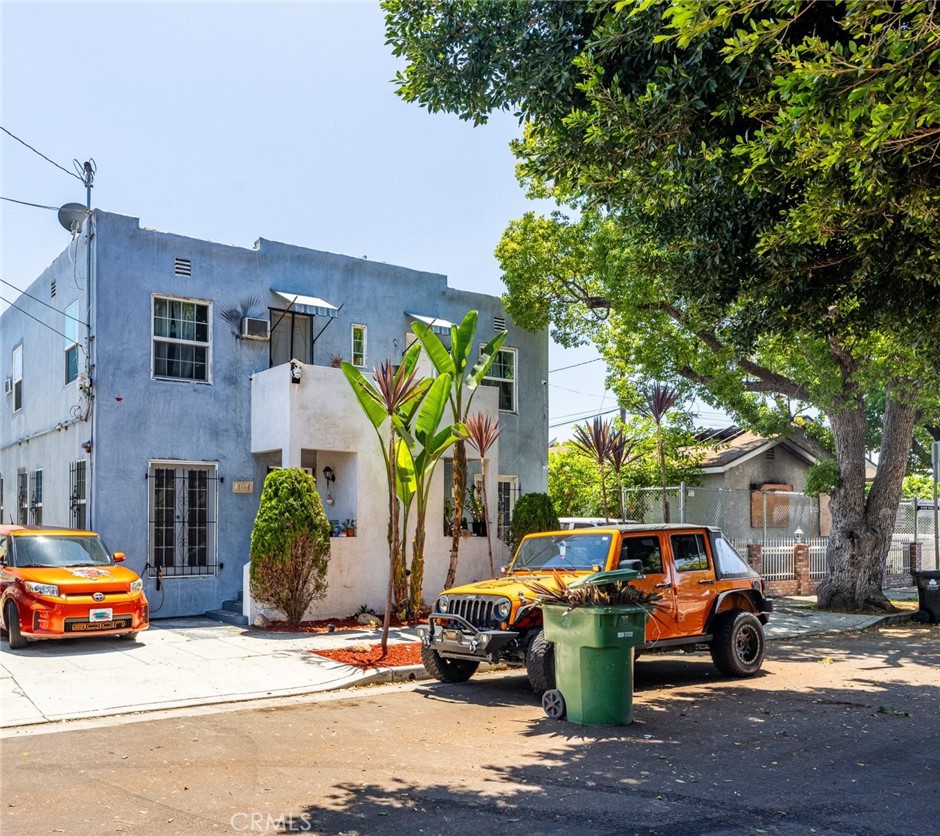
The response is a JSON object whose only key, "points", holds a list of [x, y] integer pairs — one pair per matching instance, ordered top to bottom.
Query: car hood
{"points": [[78, 579], [512, 585]]}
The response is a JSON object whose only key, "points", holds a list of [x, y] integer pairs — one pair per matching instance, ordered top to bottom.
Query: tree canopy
{"points": [[752, 196]]}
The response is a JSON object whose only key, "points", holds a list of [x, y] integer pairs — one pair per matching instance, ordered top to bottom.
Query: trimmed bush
{"points": [[533, 512], [290, 544]]}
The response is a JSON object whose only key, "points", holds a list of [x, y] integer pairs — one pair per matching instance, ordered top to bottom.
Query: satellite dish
{"points": [[71, 216]]}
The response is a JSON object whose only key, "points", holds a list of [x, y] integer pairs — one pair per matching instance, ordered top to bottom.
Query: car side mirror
{"points": [[118, 557], [636, 565], [503, 570]]}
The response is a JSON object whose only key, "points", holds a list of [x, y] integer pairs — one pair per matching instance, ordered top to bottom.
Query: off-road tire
{"points": [[12, 619], [738, 644], [540, 663], [447, 670]]}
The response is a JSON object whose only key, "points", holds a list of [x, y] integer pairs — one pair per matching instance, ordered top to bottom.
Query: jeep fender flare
{"points": [[737, 599]]}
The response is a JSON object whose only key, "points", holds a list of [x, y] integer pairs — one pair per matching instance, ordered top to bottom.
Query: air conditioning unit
{"points": [[254, 328], [8, 386]]}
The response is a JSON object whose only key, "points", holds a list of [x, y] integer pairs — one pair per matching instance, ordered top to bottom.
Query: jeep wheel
{"points": [[12, 619], [738, 644], [540, 663], [447, 670]]}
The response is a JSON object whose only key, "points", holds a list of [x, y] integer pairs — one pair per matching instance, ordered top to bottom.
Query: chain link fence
{"points": [[777, 520]]}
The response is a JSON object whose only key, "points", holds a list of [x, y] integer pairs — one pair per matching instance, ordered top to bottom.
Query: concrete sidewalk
{"points": [[181, 663]]}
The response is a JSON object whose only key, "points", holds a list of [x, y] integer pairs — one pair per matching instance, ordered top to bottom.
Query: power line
{"points": [[70, 173], [24, 203], [51, 307], [37, 319], [575, 365], [583, 417]]}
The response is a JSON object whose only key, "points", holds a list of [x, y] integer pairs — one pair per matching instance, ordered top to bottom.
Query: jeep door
{"points": [[649, 548], [693, 581]]}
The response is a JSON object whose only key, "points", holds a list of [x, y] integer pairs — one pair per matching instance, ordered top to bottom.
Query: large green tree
{"points": [[753, 194]]}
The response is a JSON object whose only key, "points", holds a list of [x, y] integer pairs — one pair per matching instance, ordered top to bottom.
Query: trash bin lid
{"points": [[604, 578]]}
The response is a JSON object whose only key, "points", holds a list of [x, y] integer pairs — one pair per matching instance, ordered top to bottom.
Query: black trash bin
{"points": [[928, 597]]}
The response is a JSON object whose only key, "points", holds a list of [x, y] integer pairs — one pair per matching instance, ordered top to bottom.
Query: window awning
{"points": [[307, 304], [438, 325]]}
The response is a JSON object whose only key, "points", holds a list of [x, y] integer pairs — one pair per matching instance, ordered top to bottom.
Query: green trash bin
{"points": [[593, 662]]}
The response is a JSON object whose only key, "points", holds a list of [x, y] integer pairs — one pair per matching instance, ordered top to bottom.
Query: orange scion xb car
{"points": [[57, 582]]}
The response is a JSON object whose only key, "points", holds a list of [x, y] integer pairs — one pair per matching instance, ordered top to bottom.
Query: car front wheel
{"points": [[12, 619], [738, 644], [540, 663], [447, 670]]}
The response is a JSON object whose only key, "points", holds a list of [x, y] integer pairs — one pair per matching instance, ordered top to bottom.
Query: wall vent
{"points": [[183, 267], [52, 289], [499, 323], [255, 328], [8, 386], [770, 454]]}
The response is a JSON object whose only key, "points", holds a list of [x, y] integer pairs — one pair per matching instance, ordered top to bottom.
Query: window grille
{"points": [[183, 267], [78, 494], [22, 497], [35, 498], [183, 511]]}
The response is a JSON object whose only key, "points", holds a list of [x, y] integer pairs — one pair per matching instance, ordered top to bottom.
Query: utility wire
{"points": [[70, 173], [24, 203], [51, 307], [37, 319], [575, 365], [591, 415]]}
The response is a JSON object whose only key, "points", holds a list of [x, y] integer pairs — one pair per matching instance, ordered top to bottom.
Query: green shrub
{"points": [[533, 512], [290, 544]]}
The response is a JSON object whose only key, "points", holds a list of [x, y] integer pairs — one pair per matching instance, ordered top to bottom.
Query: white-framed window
{"points": [[70, 330], [181, 339], [359, 345], [503, 376], [18, 377], [507, 492], [78, 494], [35, 497], [183, 499]]}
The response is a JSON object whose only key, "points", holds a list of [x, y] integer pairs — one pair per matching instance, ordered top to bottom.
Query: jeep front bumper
{"points": [[453, 637]]}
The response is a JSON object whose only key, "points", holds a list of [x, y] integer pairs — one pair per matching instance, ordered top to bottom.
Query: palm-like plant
{"points": [[456, 363], [394, 398], [658, 399], [481, 433], [596, 441], [619, 454]]}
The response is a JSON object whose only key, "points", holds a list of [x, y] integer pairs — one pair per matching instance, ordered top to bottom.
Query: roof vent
{"points": [[183, 267], [52, 289], [499, 323], [770, 454]]}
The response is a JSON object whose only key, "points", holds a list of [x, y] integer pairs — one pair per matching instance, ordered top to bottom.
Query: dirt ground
{"points": [[838, 735]]}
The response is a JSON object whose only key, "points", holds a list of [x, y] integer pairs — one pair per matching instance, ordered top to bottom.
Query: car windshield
{"points": [[61, 550], [560, 551]]}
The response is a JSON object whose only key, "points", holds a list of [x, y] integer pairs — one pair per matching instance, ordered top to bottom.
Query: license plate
{"points": [[104, 614], [452, 636]]}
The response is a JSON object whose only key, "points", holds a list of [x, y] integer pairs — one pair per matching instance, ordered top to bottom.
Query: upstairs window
{"points": [[70, 330], [359, 333], [291, 337], [180, 339], [503, 376], [18, 378]]}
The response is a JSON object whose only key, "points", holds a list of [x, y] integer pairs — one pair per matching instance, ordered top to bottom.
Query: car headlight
{"points": [[137, 586], [49, 589], [442, 604], [503, 608]]}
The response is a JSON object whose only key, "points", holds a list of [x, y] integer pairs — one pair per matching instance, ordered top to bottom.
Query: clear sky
{"points": [[235, 121]]}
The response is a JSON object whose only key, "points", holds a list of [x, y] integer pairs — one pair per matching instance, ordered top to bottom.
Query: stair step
{"points": [[232, 605], [228, 617]]}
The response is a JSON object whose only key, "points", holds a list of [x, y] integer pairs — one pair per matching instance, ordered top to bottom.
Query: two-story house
{"points": [[151, 384]]}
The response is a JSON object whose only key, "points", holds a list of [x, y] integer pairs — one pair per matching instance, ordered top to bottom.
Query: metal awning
{"points": [[307, 304], [438, 325]]}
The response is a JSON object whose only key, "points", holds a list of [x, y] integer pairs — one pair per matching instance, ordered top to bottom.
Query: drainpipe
{"points": [[88, 176]]}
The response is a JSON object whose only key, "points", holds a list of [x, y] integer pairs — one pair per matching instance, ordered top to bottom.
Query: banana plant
{"points": [[467, 378], [393, 399], [417, 463]]}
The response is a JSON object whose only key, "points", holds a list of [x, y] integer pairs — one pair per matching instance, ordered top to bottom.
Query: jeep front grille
{"points": [[478, 611]]}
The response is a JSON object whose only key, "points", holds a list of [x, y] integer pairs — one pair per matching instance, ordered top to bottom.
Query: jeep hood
{"points": [[512, 585]]}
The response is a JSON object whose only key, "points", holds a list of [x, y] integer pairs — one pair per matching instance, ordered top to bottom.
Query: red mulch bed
{"points": [[330, 625], [398, 656]]}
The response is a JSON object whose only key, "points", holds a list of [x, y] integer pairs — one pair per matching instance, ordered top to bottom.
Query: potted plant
{"points": [[476, 512], [350, 526]]}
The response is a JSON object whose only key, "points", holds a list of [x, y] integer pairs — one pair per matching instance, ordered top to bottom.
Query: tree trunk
{"points": [[460, 487], [862, 526], [393, 545], [416, 579]]}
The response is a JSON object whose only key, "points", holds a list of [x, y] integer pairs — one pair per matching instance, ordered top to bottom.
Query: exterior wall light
{"points": [[330, 479]]}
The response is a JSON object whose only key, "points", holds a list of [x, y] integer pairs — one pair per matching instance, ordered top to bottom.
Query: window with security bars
{"points": [[181, 339], [502, 375], [78, 494], [22, 497], [35, 498], [183, 507]]}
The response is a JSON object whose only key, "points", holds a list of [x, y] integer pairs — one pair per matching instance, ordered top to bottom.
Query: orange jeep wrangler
{"points": [[710, 597]]}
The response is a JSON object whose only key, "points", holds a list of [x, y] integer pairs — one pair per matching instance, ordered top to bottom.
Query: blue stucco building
{"points": [[148, 399]]}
